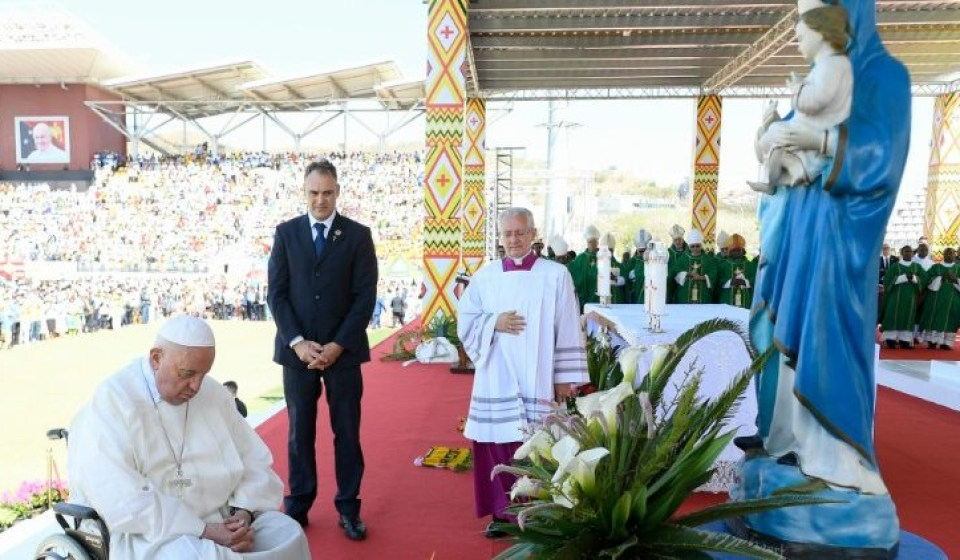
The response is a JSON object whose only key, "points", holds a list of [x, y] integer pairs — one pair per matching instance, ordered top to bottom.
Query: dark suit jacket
{"points": [[883, 267], [329, 299]]}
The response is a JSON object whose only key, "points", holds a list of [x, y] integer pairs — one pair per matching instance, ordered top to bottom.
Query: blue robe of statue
{"points": [[816, 285]]}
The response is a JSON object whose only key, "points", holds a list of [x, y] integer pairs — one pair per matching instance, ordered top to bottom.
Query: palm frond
{"points": [[656, 384], [739, 509], [681, 539], [520, 551]]}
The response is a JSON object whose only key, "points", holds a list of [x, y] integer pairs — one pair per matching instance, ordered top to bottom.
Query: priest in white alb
{"points": [[519, 322], [163, 456]]}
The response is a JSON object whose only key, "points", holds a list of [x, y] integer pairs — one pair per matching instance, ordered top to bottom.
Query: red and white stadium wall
{"points": [[88, 134]]}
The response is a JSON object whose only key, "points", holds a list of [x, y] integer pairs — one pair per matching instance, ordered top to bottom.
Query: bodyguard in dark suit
{"points": [[322, 289]]}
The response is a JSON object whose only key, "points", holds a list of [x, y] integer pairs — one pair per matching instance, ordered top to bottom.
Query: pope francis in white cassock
{"points": [[163, 456]]}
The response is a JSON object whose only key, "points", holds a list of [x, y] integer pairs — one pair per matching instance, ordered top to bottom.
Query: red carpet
{"points": [[410, 512], [421, 513]]}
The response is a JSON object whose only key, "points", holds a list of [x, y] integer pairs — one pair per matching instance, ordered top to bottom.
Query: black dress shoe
{"points": [[891, 344], [906, 345], [931, 345], [944, 347], [353, 527]]}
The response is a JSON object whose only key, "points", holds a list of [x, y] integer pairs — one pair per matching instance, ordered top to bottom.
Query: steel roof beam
{"points": [[643, 40]]}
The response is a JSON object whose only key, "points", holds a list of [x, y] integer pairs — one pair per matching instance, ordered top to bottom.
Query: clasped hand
{"points": [[510, 322], [318, 356], [234, 533]]}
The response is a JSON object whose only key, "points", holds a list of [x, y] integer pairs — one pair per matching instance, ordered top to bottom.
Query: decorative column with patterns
{"points": [[706, 167], [474, 173], [443, 185], [942, 222]]}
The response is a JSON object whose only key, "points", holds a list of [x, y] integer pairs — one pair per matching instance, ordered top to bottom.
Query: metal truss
{"points": [[755, 55], [929, 89], [132, 118]]}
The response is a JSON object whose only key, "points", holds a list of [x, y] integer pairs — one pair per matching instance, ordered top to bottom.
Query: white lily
{"points": [[660, 352], [629, 360], [605, 402], [538, 445], [564, 451], [584, 466], [526, 487], [566, 497]]}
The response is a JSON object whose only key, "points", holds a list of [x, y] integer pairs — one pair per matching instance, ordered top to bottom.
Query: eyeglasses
{"points": [[512, 234]]}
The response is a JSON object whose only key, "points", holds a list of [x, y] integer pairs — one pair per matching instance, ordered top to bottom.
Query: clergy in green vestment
{"points": [[723, 240], [677, 248], [583, 269], [694, 272], [736, 274], [635, 277], [901, 286], [940, 317]]}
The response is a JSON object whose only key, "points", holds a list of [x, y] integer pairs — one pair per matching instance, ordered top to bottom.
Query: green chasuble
{"points": [[720, 258], [671, 262], [583, 269], [729, 269], [636, 285], [694, 291], [618, 293], [900, 300], [941, 309]]}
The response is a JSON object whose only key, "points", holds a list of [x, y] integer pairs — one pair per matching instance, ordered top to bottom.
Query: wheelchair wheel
{"points": [[61, 547]]}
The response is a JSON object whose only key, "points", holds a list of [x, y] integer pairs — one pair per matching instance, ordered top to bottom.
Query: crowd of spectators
{"points": [[190, 233]]}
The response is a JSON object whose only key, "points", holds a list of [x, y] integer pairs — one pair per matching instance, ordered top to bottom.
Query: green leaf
{"points": [[809, 487], [639, 505], [739, 509], [619, 516], [680, 539], [521, 551], [617, 551]]}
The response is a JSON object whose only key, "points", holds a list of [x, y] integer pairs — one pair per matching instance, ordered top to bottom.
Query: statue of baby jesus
{"points": [[820, 102]]}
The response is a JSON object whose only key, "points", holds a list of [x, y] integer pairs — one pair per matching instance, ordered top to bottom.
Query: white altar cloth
{"points": [[721, 356]]}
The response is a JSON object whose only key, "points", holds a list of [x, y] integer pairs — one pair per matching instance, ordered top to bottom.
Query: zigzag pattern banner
{"points": [[706, 167], [474, 171], [443, 178], [942, 223]]}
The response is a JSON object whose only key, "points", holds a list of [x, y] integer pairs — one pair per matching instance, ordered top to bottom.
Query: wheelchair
{"points": [[76, 542]]}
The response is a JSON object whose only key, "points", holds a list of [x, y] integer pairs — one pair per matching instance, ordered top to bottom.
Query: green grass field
{"points": [[44, 384]]}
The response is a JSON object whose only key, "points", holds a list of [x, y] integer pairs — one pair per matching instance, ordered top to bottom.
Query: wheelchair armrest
{"points": [[76, 511]]}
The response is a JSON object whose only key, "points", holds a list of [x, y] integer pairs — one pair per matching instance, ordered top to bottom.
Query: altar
{"points": [[721, 356]]}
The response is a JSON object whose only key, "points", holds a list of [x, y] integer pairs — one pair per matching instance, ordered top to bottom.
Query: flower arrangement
{"points": [[605, 480], [30, 498]]}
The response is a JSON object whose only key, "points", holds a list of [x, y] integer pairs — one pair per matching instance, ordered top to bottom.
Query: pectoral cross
{"points": [[695, 288], [179, 483]]}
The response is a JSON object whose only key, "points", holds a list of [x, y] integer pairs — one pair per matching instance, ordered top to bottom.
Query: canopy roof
{"points": [[44, 44], [586, 48], [352, 82]]}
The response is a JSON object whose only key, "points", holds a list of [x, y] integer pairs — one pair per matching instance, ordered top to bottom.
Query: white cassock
{"points": [[515, 374], [121, 464]]}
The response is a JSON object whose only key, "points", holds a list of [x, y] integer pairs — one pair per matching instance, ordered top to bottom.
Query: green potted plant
{"points": [[606, 479]]}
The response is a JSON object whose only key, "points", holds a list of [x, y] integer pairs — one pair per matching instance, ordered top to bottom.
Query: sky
{"points": [[652, 138]]}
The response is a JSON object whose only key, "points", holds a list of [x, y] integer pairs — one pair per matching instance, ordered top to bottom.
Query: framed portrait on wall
{"points": [[43, 139]]}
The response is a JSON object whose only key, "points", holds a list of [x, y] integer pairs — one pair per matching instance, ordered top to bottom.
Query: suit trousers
{"points": [[302, 390]]}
